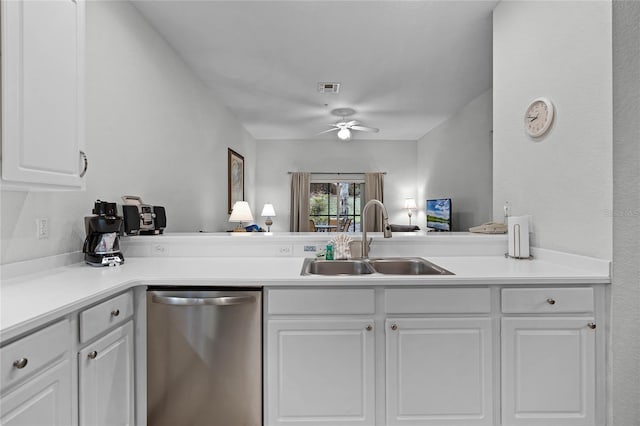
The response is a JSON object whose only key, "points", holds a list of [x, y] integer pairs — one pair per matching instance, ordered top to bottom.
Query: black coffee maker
{"points": [[102, 247]]}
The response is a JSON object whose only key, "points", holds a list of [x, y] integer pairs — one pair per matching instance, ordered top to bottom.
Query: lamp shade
{"points": [[410, 203], [268, 211], [241, 212]]}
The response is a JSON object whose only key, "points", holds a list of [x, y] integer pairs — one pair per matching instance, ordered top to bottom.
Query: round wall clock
{"points": [[538, 117]]}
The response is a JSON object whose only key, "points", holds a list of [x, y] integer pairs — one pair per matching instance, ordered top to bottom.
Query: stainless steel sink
{"points": [[387, 266], [406, 266], [336, 267]]}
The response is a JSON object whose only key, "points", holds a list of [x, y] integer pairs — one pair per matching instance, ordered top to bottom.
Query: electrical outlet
{"points": [[42, 228], [310, 248], [160, 250], [285, 250]]}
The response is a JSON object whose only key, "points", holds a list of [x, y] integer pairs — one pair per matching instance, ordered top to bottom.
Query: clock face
{"points": [[538, 117]]}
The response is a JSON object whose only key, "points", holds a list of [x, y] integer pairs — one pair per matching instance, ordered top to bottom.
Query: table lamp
{"points": [[410, 205], [268, 211], [241, 212]]}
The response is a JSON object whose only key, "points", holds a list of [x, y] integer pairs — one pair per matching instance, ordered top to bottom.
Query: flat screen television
{"points": [[439, 214]]}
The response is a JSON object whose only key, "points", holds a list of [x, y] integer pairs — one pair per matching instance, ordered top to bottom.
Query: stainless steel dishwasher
{"points": [[204, 357]]}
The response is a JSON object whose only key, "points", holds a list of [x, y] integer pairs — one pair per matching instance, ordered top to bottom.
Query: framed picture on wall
{"points": [[236, 177]]}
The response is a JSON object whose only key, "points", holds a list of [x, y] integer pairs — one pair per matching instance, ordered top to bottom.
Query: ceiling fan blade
{"points": [[351, 123], [365, 129], [327, 131]]}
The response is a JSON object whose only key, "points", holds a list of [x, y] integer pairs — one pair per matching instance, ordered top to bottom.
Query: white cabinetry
{"points": [[43, 94], [429, 351], [548, 359], [320, 360], [106, 365], [439, 368], [321, 371], [439, 371], [36, 379], [106, 379], [43, 400]]}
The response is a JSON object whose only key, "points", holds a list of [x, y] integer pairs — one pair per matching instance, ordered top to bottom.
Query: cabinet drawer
{"points": [[546, 300], [321, 301], [437, 301], [103, 316], [33, 352]]}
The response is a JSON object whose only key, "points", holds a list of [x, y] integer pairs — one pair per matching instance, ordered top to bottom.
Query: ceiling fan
{"points": [[344, 129]]}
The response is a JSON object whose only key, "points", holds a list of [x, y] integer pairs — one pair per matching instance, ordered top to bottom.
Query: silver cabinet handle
{"points": [[85, 161], [199, 301], [551, 301], [115, 312], [592, 325], [369, 327], [394, 327], [93, 355], [21, 363]]}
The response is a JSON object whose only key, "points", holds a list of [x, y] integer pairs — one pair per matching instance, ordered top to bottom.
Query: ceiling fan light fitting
{"points": [[344, 134]]}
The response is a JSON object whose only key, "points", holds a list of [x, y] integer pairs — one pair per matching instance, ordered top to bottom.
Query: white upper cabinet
{"points": [[43, 94]]}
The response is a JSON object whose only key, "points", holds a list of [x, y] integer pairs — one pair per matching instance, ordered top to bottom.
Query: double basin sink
{"points": [[387, 266]]}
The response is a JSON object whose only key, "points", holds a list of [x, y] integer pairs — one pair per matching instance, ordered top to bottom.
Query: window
{"points": [[328, 200]]}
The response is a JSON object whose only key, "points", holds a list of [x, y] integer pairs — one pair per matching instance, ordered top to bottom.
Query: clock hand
{"points": [[531, 118]]}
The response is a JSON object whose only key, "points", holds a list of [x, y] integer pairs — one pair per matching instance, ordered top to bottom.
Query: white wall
{"points": [[561, 50], [153, 129], [276, 158], [454, 161], [625, 290]]}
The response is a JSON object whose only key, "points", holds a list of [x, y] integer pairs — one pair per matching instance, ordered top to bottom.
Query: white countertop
{"points": [[33, 300]]}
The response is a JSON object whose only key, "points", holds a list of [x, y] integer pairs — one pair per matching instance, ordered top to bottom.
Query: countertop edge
{"points": [[15, 331]]}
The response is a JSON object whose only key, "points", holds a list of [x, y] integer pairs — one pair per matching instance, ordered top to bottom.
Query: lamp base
{"points": [[239, 228]]}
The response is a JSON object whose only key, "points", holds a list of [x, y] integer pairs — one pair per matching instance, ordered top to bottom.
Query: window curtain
{"points": [[373, 190], [299, 221]]}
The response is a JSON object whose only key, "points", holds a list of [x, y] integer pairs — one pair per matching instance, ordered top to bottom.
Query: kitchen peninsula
{"points": [[477, 327]]}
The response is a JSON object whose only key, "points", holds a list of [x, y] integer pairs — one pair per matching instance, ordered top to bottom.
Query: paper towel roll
{"points": [[518, 232]]}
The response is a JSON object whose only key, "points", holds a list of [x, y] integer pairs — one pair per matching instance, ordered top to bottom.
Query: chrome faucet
{"points": [[385, 225]]}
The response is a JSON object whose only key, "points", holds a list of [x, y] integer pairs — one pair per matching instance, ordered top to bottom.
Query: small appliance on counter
{"points": [[141, 218], [101, 246]]}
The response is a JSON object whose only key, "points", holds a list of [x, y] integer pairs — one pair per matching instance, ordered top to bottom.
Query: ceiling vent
{"points": [[328, 87]]}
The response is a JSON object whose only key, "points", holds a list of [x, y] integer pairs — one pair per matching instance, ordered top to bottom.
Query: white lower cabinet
{"points": [[436, 356], [439, 371], [548, 371], [320, 372], [35, 379], [106, 379], [45, 400]]}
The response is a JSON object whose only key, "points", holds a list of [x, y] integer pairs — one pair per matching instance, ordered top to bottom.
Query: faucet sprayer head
{"points": [[386, 228]]}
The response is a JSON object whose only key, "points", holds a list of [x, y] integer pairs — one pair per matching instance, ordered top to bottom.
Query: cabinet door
{"points": [[42, 102], [439, 371], [548, 371], [320, 372], [106, 391], [43, 400]]}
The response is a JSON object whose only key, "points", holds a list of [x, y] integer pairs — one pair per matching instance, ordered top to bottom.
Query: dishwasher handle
{"points": [[200, 301]]}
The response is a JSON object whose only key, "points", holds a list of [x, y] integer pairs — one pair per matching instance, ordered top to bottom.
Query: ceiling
{"points": [[404, 66]]}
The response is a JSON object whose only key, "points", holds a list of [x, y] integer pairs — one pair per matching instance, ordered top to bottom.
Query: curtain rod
{"points": [[338, 173]]}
